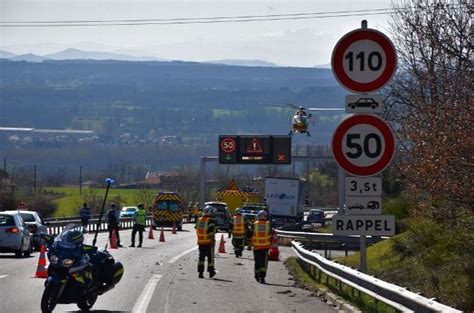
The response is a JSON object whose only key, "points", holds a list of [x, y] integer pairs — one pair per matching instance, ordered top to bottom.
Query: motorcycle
{"points": [[77, 273]]}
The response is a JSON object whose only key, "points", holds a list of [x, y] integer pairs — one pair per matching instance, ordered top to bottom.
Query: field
{"points": [[69, 200]]}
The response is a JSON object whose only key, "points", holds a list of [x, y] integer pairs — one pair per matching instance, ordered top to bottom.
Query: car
{"points": [[363, 103], [373, 205], [355, 207], [128, 211], [221, 215], [316, 216], [35, 224], [14, 235]]}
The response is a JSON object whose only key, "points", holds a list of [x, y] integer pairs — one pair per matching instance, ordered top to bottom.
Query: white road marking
{"points": [[176, 258], [3, 276], [144, 299]]}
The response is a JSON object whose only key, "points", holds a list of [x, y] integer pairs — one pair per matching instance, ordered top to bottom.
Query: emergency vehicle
{"points": [[168, 209]]}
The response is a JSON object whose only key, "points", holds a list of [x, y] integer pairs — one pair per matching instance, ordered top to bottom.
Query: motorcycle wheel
{"points": [[50, 298], [87, 303]]}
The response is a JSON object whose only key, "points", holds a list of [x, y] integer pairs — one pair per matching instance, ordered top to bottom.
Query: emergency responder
{"points": [[85, 214], [113, 222], [139, 226], [237, 228], [205, 230], [261, 241]]}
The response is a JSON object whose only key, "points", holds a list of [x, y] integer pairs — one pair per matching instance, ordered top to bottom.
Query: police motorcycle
{"points": [[77, 273]]}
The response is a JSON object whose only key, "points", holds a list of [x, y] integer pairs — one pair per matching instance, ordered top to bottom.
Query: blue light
{"points": [[109, 180]]}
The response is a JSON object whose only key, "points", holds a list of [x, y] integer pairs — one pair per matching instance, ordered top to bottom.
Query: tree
{"points": [[430, 105]]}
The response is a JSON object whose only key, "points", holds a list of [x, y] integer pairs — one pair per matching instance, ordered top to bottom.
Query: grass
{"points": [[69, 200], [308, 276]]}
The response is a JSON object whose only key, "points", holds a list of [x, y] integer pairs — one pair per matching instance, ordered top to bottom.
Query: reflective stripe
{"points": [[140, 217], [238, 225], [201, 231], [261, 235]]}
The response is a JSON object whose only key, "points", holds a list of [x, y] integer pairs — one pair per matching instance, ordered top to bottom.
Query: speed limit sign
{"points": [[364, 60], [363, 145]]}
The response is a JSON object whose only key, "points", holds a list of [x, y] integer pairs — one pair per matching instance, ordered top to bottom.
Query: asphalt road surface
{"points": [[162, 277]]}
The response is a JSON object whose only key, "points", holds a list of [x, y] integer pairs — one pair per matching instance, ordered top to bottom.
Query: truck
{"points": [[285, 200], [168, 210]]}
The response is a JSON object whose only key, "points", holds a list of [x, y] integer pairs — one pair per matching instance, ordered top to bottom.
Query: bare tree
{"points": [[430, 102]]}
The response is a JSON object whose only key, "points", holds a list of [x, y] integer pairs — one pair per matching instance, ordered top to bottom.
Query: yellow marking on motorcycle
{"points": [[119, 272]]}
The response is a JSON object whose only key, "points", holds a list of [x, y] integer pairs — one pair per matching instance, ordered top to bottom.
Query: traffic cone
{"points": [[174, 228], [150, 233], [162, 235], [113, 240], [221, 245], [274, 253], [41, 269]]}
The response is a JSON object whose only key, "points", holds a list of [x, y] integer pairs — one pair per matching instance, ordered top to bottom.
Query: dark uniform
{"points": [[113, 222], [205, 230], [261, 241]]}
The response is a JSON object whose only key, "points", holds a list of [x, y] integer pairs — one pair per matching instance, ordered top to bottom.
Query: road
{"points": [[162, 277]]}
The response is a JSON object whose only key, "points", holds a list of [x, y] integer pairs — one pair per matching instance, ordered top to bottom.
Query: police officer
{"points": [[85, 214], [113, 222], [139, 226], [237, 227], [205, 230], [261, 241]]}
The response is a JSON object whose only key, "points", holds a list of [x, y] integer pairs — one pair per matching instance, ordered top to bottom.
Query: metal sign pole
{"points": [[340, 189], [363, 254]]}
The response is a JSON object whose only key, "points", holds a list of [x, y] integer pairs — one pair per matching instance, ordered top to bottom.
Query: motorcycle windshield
{"points": [[64, 240]]}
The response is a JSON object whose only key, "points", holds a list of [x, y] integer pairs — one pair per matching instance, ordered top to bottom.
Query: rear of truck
{"points": [[168, 210]]}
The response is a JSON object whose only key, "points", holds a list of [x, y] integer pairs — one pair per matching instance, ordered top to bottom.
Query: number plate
{"points": [[363, 186]]}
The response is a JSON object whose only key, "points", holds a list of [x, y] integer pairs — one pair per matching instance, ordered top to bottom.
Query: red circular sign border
{"points": [[346, 41], [225, 139], [375, 168]]}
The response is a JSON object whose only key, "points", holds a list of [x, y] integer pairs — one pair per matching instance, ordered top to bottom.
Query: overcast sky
{"points": [[306, 42]]}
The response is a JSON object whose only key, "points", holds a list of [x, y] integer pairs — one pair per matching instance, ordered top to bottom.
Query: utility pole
{"points": [[4, 171], [34, 180], [80, 180]]}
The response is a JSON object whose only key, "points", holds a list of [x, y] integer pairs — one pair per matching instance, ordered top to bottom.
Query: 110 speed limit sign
{"points": [[363, 145]]}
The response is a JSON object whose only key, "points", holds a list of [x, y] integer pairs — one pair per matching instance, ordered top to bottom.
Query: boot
{"points": [[132, 245], [212, 274], [201, 275], [262, 280]]}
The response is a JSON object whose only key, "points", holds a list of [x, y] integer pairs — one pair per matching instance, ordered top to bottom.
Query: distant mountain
{"points": [[5, 54], [76, 54], [29, 57], [253, 63], [323, 66]]}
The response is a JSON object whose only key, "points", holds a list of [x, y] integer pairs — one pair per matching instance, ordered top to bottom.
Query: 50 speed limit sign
{"points": [[364, 60], [363, 145]]}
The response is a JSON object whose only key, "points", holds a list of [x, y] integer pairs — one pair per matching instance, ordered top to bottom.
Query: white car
{"points": [[14, 235]]}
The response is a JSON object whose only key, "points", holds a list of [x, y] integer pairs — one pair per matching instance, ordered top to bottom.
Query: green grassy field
{"points": [[69, 200]]}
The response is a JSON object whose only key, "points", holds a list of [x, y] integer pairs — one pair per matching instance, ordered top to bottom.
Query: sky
{"points": [[301, 43]]}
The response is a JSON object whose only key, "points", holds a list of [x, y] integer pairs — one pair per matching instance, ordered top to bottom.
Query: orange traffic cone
{"points": [[174, 228], [150, 233], [162, 235], [113, 240], [221, 245], [274, 253], [41, 269]]}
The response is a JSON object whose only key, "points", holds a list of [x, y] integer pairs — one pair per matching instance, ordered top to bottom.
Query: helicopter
{"points": [[300, 118]]}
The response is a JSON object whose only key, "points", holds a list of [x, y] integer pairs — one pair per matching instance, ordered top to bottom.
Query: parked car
{"points": [[363, 103], [128, 211], [221, 214], [316, 216], [35, 224], [14, 235]]}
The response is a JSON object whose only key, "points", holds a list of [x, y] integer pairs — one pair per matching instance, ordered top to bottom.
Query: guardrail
{"points": [[55, 225], [394, 296]]}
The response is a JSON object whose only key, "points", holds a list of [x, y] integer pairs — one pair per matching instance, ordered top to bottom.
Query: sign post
{"points": [[363, 145]]}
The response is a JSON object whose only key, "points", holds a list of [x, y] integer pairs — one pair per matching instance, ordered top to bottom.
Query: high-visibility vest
{"points": [[140, 217], [202, 226], [238, 228], [261, 235]]}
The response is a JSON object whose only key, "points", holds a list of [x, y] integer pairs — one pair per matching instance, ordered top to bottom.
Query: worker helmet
{"points": [[208, 210], [238, 211], [262, 215], [73, 236]]}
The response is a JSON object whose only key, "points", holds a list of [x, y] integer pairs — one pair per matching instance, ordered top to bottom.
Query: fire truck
{"points": [[168, 210]]}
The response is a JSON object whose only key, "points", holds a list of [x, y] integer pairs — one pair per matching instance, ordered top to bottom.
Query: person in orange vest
{"points": [[237, 227], [205, 230], [261, 242]]}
